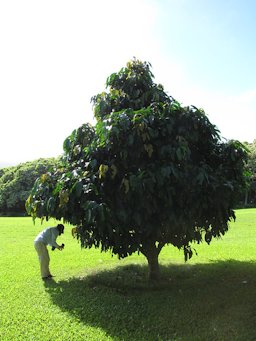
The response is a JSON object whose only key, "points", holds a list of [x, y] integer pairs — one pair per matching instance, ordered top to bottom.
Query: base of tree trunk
{"points": [[151, 252], [154, 272]]}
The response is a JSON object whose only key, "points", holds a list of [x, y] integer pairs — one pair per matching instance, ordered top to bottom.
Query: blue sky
{"points": [[214, 40], [57, 54]]}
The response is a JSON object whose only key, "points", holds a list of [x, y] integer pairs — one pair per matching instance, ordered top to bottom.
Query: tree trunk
{"points": [[151, 252]]}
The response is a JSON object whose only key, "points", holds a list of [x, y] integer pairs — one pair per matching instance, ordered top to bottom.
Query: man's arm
{"points": [[54, 235], [61, 247]]}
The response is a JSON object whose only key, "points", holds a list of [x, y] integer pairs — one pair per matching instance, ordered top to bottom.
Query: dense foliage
{"points": [[251, 163], [151, 172], [16, 183], [250, 198]]}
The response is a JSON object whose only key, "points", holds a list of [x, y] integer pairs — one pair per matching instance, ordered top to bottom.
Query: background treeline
{"points": [[17, 181], [250, 197]]}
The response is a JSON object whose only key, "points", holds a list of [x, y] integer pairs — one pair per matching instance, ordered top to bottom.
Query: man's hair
{"points": [[60, 227]]}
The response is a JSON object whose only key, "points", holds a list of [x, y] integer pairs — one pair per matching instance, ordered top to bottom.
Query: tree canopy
{"points": [[149, 173]]}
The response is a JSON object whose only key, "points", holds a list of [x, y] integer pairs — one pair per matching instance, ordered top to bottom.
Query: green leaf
{"points": [[67, 145], [93, 163], [78, 188], [51, 205]]}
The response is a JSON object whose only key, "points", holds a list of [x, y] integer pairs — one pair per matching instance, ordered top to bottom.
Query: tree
{"points": [[149, 173], [16, 183], [250, 197]]}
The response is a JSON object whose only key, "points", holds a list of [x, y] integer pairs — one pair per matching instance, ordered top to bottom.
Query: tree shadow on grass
{"points": [[215, 301]]}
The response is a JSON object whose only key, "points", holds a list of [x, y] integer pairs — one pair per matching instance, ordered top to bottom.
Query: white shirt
{"points": [[48, 236]]}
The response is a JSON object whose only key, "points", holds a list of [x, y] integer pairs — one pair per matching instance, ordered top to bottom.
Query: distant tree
{"points": [[251, 163], [150, 173], [16, 183], [250, 198]]}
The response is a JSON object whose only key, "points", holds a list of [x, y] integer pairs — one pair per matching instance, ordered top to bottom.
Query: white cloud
{"points": [[234, 115]]}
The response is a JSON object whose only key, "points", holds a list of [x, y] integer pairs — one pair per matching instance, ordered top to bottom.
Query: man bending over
{"points": [[47, 237]]}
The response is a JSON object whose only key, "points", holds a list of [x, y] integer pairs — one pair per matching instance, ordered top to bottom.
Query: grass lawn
{"points": [[94, 296]]}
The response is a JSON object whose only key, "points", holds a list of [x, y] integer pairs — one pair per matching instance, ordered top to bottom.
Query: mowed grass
{"points": [[94, 296]]}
